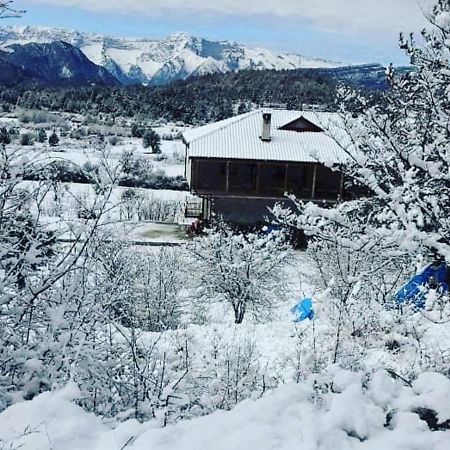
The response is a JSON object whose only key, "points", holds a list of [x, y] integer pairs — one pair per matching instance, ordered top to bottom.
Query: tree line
{"points": [[197, 100]]}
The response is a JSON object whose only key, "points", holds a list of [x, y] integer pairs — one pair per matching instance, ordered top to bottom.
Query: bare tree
{"points": [[7, 11]]}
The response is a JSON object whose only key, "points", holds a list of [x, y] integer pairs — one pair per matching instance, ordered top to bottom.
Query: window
{"points": [[211, 175], [242, 177], [272, 179], [299, 180], [328, 183]]}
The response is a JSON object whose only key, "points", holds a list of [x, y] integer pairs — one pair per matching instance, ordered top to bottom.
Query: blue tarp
{"points": [[433, 277], [303, 310]]}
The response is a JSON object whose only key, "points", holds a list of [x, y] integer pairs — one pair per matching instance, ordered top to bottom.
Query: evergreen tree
{"points": [[137, 131], [4, 136], [41, 136], [26, 139], [152, 139], [53, 140]]}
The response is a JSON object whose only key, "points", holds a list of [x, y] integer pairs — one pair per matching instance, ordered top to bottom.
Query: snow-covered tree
{"points": [[399, 149], [243, 270], [47, 311]]}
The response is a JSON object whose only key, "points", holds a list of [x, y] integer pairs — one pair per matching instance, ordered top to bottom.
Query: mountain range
{"points": [[134, 61], [56, 63]]}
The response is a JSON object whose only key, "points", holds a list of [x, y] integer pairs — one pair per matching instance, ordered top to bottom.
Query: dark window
{"points": [[301, 125], [211, 176], [242, 177], [272, 179], [299, 180], [328, 183]]}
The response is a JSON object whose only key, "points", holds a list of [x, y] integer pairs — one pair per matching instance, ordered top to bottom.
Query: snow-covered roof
{"points": [[239, 138]]}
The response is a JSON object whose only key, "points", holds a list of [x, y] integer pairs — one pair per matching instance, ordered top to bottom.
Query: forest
{"points": [[196, 100]]}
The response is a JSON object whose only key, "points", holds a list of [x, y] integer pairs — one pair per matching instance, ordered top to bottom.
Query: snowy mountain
{"points": [[152, 61], [55, 63]]}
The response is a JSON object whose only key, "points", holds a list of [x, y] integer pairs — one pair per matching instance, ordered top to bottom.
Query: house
{"points": [[240, 167]]}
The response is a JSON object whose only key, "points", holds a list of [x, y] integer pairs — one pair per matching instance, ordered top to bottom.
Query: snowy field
{"points": [[86, 148], [170, 161], [137, 216], [158, 217], [337, 409], [290, 418]]}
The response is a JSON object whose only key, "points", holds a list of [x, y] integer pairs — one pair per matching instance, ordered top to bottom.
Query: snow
{"points": [[175, 55], [239, 138], [171, 160], [433, 392], [287, 418], [52, 421]]}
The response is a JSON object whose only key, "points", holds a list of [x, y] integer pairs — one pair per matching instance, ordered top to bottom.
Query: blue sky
{"points": [[342, 30]]}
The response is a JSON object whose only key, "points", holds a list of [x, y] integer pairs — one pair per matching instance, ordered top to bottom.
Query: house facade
{"points": [[241, 167]]}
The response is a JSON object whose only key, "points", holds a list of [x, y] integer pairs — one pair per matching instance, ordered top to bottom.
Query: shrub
{"points": [[41, 136], [5, 138], [26, 139], [152, 139], [53, 140], [113, 140]]}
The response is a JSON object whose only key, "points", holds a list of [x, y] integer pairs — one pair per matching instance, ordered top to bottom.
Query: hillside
{"points": [[52, 64]]}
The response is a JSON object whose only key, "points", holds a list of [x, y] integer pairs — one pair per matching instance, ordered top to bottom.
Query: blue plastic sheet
{"points": [[415, 291], [303, 310]]}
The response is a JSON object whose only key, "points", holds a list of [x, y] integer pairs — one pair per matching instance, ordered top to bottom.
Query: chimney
{"points": [[267, 121]]}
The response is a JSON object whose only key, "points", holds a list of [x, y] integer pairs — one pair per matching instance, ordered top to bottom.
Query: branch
{"points": [[8, 12]]}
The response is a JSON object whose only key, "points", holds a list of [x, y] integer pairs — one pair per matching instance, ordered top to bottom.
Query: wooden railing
{"points": [[193, 209]]}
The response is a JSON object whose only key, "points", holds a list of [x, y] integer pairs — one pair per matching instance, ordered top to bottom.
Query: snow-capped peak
{"points": [[159, 61]]}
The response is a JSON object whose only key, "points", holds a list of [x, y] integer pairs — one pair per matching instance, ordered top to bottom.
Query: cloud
{"points": [[346, 16]]}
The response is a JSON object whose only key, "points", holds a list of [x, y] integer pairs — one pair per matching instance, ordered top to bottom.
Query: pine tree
{"points": [[137, 131], [4, 136], [41, 136], [53, 140]]}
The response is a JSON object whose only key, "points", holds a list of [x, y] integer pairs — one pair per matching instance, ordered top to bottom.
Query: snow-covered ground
{"points": [[86, 149], [171, 160], [74, 197], [337, 409], [350, 416]]}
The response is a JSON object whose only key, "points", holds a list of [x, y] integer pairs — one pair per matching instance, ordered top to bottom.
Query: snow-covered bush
{"points": [[135, 205], [367, 248], [242, 270], [356, 286], [141, 289], [44, 309], [231, 372], [349, 411]]}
